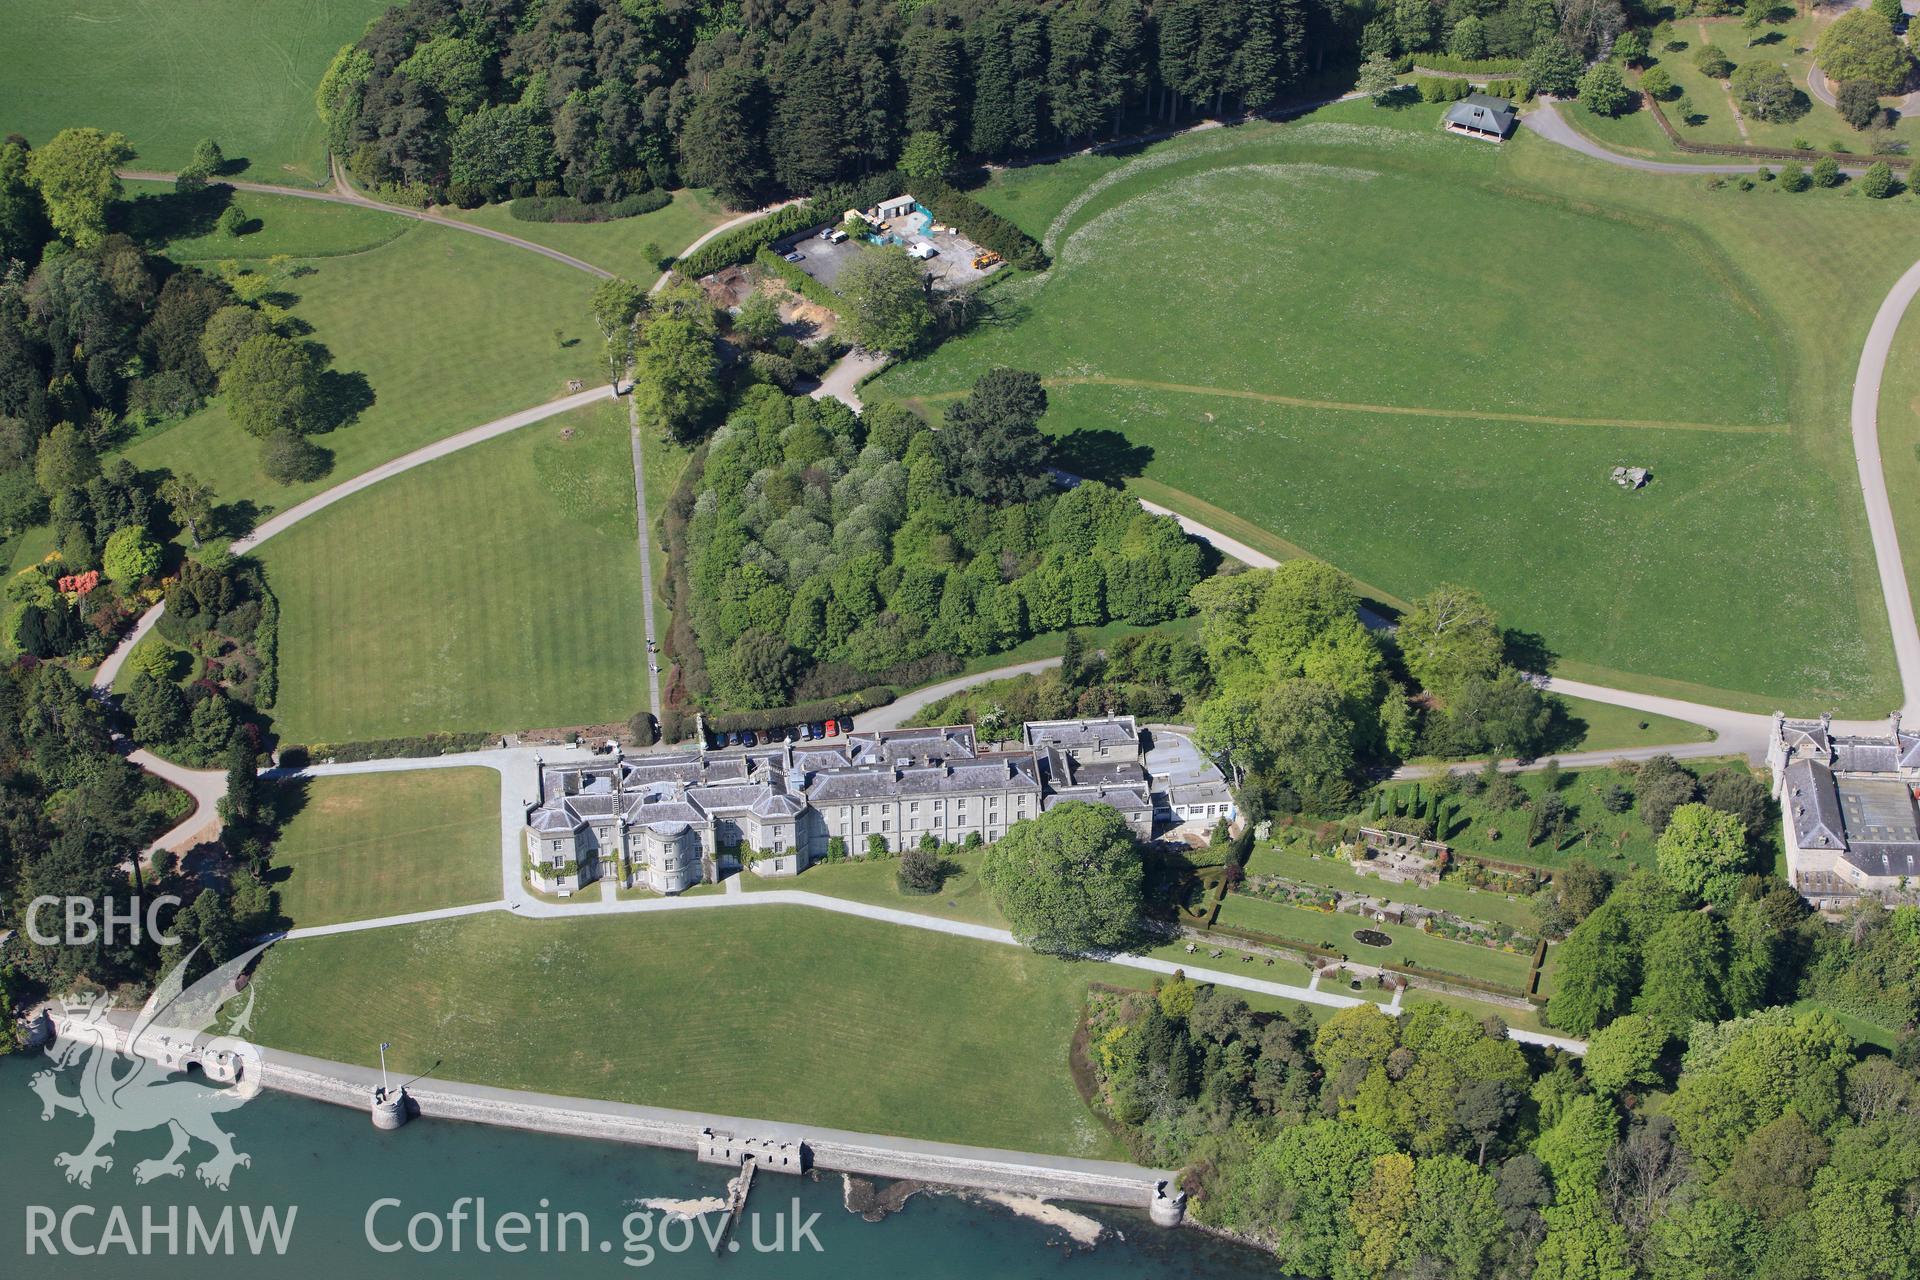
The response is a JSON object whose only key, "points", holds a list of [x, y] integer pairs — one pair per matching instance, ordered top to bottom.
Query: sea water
{"points": [[326, 1195]]}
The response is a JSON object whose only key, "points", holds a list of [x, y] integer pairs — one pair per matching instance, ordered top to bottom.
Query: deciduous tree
{"points": [[75, 174], [1069, 881]]}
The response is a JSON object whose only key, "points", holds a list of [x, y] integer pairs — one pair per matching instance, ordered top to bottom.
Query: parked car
{"points": [[794, 255], [846, 724], [833, 727], [817, 729], [748, 740]]}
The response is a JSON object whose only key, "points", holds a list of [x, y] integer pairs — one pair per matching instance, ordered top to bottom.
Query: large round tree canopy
{"points": [[1861, 46], [1068, 881]]}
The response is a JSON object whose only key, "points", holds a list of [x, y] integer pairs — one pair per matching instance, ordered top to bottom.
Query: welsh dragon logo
{"points": [[143, 1090]]}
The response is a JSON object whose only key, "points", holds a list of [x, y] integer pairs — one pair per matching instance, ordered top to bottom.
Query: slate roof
{"points": [[1479, 111], [1080, 735], [669, 791], [1813, 806]]}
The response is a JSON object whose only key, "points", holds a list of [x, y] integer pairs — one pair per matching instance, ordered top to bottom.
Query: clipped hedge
{"points": [[1466, 66], [1442, 88], [568, 209], [983, 226], [742, 243], [802, 283], [266, 650], [804, 713], [432, 744]]}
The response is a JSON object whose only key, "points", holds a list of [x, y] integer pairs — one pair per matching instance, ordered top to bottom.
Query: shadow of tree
{"points": [[154, 219], [343, 398], [1100, 453], [235, 519], [1528, 650]]}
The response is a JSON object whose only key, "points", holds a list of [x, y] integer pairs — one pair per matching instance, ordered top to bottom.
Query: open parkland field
{"points": [[242, 72], [1370, 343]]}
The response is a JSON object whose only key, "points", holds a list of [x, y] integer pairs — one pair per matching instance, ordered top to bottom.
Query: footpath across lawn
{"points": [[619, 246], [448, 330], [495, 589], [361, 846], [875, 881], [779, 1012]]}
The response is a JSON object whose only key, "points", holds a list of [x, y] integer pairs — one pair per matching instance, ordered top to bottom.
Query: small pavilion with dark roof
{"points": [[1479, 115]]}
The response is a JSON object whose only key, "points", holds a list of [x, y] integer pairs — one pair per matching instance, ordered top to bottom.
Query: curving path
{"points": [[1546, 121], [343, 192], [1873, 483], [207, 786]]}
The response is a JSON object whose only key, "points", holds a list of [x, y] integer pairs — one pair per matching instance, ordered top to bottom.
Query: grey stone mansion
{"points": [[1847, 810], [667, 821]]}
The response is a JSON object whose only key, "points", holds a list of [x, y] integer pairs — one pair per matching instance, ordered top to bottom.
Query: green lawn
{"points": [[240, 71], [1712, 117], [182, 226], [618, 246], [1293, 324], [449, 330], [1900, 441], [662, 461], [495, 589], [1610, 728], [1620, 840], [383, 844], [1274, 859], [964, 897], [1410, 946], [794, 1015]]}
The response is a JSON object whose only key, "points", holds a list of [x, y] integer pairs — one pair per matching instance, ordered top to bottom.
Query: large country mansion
{"points": [[667, 821]]}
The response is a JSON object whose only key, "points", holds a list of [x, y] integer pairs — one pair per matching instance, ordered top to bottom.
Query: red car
{"points": [[832, 728]]}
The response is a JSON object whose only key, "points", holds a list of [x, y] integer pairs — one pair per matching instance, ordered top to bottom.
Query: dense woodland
{"points": [[602, 98], [100, 340], [825, 550], [1306, 696], [1432, 1146]]}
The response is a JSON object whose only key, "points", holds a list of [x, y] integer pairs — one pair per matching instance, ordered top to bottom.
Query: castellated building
{"points": [[1847, 810], [667, 821]]}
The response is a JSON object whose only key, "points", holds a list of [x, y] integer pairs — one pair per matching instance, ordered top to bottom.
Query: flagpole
{"points": [[384, 1088]]}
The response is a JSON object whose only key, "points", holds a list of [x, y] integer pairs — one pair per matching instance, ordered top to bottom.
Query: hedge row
{"points": [[1462, 66], [1442, 88], [1762, 153], [567, 209], [983, 226], [742, 243], [803, 284], [266, 649], [804, 713], [432, 744]]}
